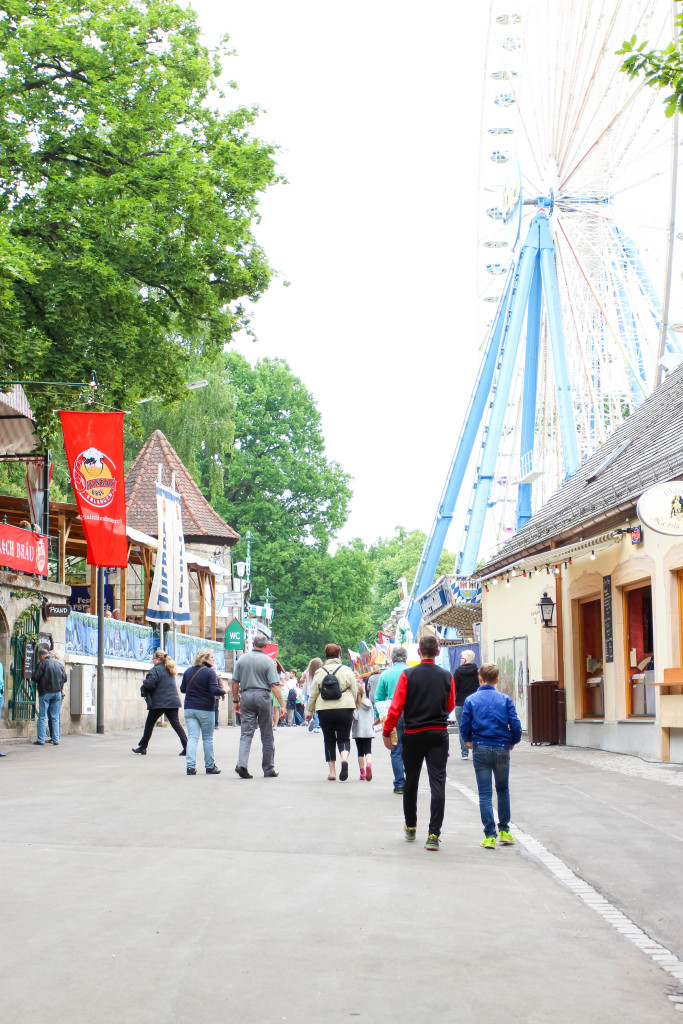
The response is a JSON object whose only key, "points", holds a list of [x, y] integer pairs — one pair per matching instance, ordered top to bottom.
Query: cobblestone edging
{"points": [[624, 764], [659, 954]]}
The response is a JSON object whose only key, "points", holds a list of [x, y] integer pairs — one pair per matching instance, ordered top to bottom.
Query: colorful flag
{"points": [[94, 450]]}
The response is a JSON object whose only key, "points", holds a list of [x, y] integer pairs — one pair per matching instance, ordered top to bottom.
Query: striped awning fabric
{"points": [[17, 425]]}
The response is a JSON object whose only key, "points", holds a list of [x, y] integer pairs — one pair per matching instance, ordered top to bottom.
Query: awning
{"points": [[17, 426]]}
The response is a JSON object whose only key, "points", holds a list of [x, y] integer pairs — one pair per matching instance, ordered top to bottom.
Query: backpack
{"points": [[330, 688]]}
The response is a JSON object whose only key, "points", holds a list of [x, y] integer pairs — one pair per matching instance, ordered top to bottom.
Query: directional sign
{"points": [[234, 636]]}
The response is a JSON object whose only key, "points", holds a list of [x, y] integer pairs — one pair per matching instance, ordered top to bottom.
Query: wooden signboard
{"points": [[607, 611]]}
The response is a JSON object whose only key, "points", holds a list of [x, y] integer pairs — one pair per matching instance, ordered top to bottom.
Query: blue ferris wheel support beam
{"points": [[533, 337], [510, 344], [565, 409], [434, 544]]}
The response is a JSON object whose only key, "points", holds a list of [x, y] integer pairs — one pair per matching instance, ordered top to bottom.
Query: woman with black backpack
{"points": [[333, 695]]}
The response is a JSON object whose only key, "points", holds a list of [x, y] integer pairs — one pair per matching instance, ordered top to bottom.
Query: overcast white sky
{"points": [[376, 107]]}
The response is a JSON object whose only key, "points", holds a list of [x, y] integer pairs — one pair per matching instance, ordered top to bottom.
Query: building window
{"points": [[639, 650], [590, 674]]}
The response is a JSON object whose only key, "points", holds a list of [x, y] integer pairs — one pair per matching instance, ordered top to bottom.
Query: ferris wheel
{"points": [[576, 211]]}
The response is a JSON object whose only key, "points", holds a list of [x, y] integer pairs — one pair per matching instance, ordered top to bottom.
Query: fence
{"points": [[126, 641], [183, 649]]}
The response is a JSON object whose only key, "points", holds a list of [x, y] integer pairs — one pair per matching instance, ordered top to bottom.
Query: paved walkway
{"points": [[133, 893]]}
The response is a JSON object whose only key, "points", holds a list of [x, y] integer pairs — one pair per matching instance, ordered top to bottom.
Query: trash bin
{"points": [[544, 711]]}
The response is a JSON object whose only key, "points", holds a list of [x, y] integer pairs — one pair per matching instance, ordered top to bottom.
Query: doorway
{"points": [[639, 650], [591, 673]]}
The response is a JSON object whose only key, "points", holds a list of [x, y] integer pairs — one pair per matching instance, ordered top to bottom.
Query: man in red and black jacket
{"points": [[426, 696]]}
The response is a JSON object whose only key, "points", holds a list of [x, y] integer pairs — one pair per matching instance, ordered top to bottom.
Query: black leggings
{"points": [[153, 715], [336, 726], [363, 745]]}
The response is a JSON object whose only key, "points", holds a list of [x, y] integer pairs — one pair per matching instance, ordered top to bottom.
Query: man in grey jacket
{"points": [[256, 676], [49, 678]]}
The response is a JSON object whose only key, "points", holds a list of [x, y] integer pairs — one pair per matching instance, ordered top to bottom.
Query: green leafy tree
{"points": [[661, 69], [127, 200], [200, 427], [252, 440], [278, 482], [391, 559], [318, 598]]}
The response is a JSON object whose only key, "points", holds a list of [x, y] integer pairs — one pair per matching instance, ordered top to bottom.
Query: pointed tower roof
{"points": [[200, 521]]}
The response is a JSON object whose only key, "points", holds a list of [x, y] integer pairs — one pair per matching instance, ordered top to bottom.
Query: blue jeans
{"points": [[49, 704], [197, 721], [464, 750], [396, 755], [488, 762]]}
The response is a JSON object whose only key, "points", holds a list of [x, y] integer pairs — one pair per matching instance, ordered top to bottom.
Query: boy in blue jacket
{"points": [[490, 727]]}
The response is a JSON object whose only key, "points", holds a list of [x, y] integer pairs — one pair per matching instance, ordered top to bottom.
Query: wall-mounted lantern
{"points": [[546, 606]]}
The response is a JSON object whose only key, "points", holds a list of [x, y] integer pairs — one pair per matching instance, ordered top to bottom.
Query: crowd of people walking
{"points": [[410, 707]]}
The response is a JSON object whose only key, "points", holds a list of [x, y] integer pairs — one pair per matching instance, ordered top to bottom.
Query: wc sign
{"points": [[234, 636]]}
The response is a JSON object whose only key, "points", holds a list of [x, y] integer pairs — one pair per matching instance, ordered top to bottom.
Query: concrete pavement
{"points": [[133, 893]]}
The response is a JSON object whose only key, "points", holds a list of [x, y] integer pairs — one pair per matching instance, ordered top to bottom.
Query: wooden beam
{"points": [[63, 535], [147, 567], [212, 586], [93, 590], [122, 592], [202, 610]]}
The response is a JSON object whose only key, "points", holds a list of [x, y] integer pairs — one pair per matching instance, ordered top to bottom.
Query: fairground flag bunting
{"points": [[94, 450]]}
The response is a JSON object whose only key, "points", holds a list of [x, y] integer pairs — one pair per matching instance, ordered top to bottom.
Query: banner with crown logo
{"points": [[94, 450]]}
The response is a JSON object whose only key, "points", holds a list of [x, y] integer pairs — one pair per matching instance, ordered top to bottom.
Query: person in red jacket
{"points": [[425, 694]]}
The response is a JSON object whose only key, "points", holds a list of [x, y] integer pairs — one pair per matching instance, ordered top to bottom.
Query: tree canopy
{"points": [[661, 69], [127, 200], [252, 439], [278, 481], [390, 560]]}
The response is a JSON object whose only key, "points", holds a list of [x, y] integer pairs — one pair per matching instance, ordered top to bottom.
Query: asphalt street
{"points": [[134, 893]]}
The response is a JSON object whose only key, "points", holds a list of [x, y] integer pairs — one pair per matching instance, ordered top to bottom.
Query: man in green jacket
{"points": [[385, 691]]}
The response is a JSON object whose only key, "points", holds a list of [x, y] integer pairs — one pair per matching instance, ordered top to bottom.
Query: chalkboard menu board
{"points": [[607, 608], [29, 658]]}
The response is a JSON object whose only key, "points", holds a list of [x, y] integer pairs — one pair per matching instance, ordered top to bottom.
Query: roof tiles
{"points": [[654, 453], [200, 520]]}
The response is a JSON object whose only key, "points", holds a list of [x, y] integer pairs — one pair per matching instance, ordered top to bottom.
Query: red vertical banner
{"points": [[94, 451]]}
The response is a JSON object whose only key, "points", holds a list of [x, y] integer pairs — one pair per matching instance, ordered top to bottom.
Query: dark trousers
{"points": [[153, 715], [336, 726], [430, 746]]}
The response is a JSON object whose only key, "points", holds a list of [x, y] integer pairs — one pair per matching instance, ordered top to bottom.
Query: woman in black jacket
{"points": [[466, 682], [201, 687], [161, 692]]}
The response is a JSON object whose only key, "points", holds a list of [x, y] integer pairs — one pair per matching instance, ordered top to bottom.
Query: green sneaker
{"points": [[409, 833], [505, 838], [432, 842], [489, 843]]}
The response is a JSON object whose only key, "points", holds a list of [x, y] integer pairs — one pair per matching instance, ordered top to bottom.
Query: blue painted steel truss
{"points": [[530, 280]]}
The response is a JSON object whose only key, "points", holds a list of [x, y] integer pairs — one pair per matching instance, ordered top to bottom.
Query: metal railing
{"points": [[22, 703]]}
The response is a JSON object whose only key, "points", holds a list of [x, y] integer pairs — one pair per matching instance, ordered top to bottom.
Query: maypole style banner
{"points": [[94, 451], [23, 550], [169, 600]]}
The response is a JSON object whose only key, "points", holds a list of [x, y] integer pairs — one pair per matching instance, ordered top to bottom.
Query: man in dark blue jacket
{"points": [[490, 727]]}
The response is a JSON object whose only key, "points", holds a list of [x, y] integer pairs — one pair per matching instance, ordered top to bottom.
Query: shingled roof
{"points": [[646, 449], [200, 521]]}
